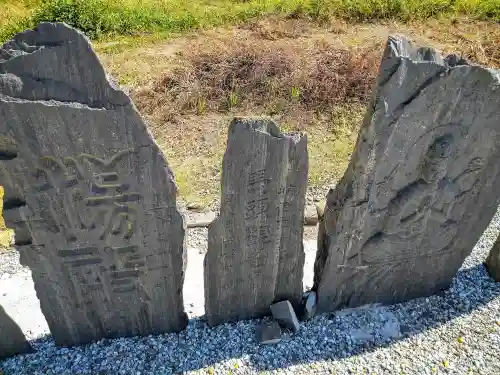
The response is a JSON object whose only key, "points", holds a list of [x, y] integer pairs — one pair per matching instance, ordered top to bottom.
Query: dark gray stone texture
{"points": [[421, 186], [88, 192], [310, 215], [255, 252], [492, 262], [309, 303], [284, 314], [269, 333], [12, 340]]}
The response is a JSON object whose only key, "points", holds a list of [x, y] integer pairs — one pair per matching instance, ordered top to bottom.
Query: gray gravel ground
{"points": [[9, 263], [457, 332]]}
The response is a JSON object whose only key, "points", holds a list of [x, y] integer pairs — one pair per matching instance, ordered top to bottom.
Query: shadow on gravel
{"points": [[356, 331], [326, 337]]}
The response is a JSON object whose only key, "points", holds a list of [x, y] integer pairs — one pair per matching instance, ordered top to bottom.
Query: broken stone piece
{"points": [[196, 207], [320, 209], [310, 215], [201, 220], [492, 262], [309, 308], [285, 315], [269, 333]]}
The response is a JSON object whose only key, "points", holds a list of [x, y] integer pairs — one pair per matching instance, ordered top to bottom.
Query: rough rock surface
{"points": [[422, 184], [88, 192], [310, 215], [201, 220], [255, 251], [492, 262], [309, 306], [284, 314], [269, 333], [12, 340]]}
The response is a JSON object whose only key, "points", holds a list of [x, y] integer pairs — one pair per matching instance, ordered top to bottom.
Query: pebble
{"points": [[9, 263], [416, 337]]}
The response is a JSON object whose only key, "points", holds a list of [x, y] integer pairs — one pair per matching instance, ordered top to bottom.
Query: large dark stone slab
{"points": [[422, 184], [88, 192], [255, 253], [12, 340]]}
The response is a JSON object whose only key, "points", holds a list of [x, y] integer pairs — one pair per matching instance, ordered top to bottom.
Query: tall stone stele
{"points": [[422, 184], [88, 193], [255, 252]]}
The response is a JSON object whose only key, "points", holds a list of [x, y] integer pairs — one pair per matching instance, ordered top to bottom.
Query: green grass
{"points": [[99, 18], [330, 143]]}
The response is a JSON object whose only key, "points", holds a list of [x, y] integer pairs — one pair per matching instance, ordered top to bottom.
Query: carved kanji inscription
{"points": [[88, 192]]}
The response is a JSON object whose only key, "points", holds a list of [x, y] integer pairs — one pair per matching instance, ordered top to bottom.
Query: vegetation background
{"points": [[104, 17], [190, 65]]}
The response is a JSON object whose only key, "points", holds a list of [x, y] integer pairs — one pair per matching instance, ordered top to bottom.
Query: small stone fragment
{"points": [[195, 206], [320, 208], [310, 215], [201, 220], [492, 262], [309, 306], [285, 315], [269, 333]]}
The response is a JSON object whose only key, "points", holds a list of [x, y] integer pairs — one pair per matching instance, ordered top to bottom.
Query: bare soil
{"points": [[307, 76]]}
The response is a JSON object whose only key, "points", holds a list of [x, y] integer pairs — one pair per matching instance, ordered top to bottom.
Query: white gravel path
{"points": [[457, 332]]}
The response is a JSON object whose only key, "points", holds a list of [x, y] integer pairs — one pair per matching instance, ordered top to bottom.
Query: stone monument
{"points": [[422, 184], [88, 192], [255, 252]]}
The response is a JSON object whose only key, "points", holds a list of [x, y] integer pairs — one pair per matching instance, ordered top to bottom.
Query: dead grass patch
{"points": [[478, 42], [306, 76], [275, 77], [306, 83]]}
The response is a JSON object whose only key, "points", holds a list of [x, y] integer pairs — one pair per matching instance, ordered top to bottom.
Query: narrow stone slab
{"points": [[422, 184], [88, 193], [255, 251], [285, 315], [12, 340]]}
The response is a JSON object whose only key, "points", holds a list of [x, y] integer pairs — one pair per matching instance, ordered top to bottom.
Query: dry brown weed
{"points": [[277, 77]]}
